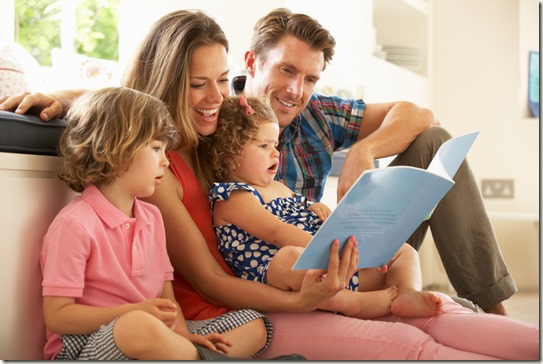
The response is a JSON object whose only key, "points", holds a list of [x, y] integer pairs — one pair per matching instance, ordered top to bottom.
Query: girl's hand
{"points": [[321, 210], [162, 308], [213, 341]]}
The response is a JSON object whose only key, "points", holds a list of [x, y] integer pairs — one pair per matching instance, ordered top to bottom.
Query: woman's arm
{"points": [[47, 106], [246, 212], [185, 242]]}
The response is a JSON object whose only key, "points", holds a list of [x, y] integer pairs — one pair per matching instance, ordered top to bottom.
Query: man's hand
{"points": [[45, 106], [358, 160]]}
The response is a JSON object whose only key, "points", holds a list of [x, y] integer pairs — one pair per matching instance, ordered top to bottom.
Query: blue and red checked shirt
{"points": [[326, 125]]}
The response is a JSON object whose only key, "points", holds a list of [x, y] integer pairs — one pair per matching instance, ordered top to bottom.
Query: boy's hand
{"points": [[321, 210], [162, 308], [213, 341]]}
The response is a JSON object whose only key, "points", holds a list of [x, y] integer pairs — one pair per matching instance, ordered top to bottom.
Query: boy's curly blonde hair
{"points": [[105, 129], [235, 129]]}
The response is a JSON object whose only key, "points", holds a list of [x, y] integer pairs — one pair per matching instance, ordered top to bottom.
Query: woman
{"points": [[191, 77]]}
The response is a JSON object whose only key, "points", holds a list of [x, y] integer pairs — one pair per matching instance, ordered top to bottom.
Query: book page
{"points": [[451, 154], [385, 206]]}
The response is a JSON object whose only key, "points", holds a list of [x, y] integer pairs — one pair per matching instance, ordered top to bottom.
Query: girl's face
{"points": [[209, 85], [259, 158], [146, 170]]}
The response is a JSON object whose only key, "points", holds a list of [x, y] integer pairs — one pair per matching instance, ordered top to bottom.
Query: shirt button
{"points": [[127, 225], [135, 248]]}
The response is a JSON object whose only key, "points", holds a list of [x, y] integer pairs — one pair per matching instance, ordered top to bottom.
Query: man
{"points": [[287, 55]]}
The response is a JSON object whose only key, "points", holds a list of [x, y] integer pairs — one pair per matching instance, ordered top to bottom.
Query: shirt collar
{"points": [[290, 131], [109, 214]]}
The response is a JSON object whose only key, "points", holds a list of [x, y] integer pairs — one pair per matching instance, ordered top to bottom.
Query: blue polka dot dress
{"points": [[248, 255]]}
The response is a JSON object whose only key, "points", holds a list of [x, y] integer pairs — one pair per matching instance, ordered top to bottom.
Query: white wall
{"points": [[237, 18], [480, 70], [478, 74]]}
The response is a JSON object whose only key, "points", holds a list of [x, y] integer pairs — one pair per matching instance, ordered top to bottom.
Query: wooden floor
{"points": [[524, 306]]}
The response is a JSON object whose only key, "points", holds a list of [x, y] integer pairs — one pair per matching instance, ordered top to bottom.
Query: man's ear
{"points": [[250, 62]]}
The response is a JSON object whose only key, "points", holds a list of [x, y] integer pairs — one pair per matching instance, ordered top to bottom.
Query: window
{"points": [[87, 27]]}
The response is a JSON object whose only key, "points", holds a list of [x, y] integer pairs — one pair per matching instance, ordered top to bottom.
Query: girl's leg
{"points": [[404, 272], [354, 304], [487, 334], [139, 335], [325, 336]]}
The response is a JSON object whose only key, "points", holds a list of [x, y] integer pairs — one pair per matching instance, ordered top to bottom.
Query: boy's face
{"points": [[288, 76], [259, 158], [146, 170]]}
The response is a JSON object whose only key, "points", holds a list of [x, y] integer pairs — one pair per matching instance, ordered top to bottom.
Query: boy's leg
{"points": [[462, 231], [247, 330], [141, 336]]}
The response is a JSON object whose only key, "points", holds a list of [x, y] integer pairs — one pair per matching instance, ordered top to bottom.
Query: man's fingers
{"points": [[10, 103]]}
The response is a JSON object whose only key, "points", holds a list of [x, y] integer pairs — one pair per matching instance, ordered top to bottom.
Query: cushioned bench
{"points": [[28, 134]]}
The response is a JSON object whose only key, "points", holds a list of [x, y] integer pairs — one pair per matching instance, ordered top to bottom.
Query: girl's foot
{"points": [[374, 303], [417, 304]]}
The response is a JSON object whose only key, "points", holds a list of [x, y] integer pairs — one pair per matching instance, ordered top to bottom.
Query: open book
{"points": [[385, 206]]}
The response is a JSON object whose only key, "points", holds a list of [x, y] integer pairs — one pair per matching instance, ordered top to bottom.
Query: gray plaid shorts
{"points": [[100, 345]]}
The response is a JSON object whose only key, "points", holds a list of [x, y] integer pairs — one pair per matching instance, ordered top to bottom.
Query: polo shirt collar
{"points": [[108, 213]]}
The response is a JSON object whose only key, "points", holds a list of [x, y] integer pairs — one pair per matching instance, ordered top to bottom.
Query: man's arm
{"points": [[47, 106], [387, 129]]}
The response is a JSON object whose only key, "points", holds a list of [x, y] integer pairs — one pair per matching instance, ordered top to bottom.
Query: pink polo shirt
{"points": [[96, 254]]}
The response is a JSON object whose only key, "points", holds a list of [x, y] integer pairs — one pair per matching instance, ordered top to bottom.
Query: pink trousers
{"points": [[456, 334]]}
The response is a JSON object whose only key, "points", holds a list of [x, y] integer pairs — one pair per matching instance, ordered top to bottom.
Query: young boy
{"points": [[107, 292]]}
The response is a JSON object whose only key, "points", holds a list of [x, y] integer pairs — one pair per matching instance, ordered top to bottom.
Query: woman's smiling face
{"points": [[209, 85]]}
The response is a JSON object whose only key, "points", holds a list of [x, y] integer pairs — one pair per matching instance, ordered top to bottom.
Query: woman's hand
{"points": [[45, 106], [319, 285], [213, 341]]}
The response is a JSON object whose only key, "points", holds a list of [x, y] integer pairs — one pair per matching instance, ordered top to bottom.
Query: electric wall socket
{"points": [[497, 188]]}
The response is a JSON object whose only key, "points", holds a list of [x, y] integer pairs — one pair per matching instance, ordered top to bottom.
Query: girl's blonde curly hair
{"points": [[236, 127], [105, 129]]}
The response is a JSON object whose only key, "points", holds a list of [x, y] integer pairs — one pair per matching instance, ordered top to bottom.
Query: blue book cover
{"points": [[385, 206]]}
